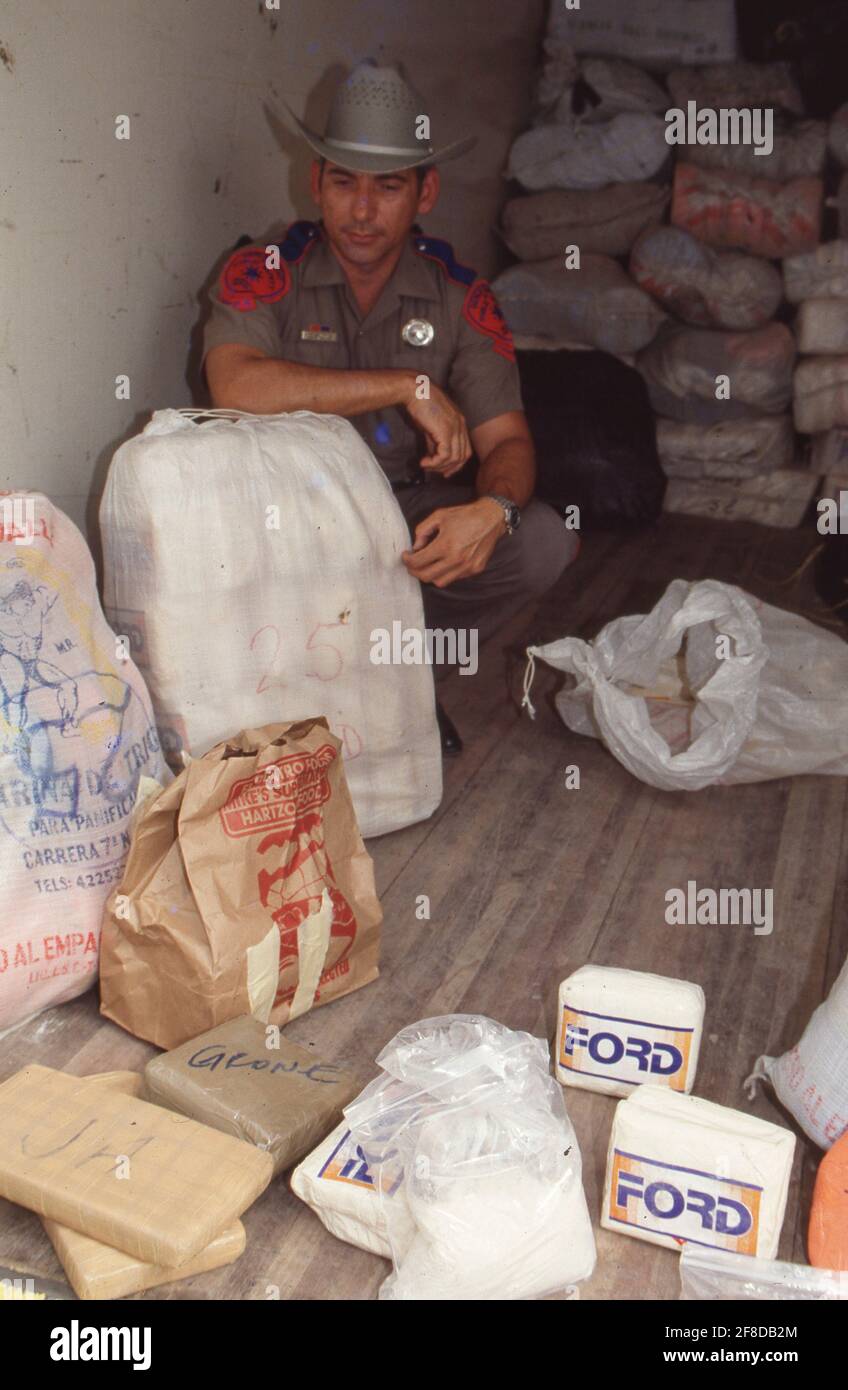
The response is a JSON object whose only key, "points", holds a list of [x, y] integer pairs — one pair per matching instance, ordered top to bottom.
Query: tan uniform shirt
{"points": [[305, 312]]}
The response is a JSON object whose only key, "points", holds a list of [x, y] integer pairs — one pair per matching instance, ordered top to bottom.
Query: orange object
{"points": [[827, 1238]]}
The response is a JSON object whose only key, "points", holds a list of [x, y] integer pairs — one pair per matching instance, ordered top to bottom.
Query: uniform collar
{"points": [[411, 276]]}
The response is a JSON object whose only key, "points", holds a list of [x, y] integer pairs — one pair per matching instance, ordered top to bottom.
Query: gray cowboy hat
{"points": [[372, 125]]}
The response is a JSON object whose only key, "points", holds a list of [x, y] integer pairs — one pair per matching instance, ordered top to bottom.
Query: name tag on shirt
{"points": [[318, 333]]}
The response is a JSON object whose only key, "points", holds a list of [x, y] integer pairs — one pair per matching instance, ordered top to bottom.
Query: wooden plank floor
{"points": [[528, 880]]}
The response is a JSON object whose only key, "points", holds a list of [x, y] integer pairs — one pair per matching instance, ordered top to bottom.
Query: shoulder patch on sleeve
{"points": [[433, 249], [247, 281], [483, 312]]}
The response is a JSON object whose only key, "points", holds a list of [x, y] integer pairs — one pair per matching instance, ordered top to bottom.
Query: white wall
{"points": [[107, 245]]}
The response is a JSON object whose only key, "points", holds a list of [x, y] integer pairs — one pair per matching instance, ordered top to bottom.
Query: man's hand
{"points": [[449, 446], [455, 542]]}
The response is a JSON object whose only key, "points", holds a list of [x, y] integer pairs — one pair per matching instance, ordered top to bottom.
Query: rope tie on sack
{"points": [[529, 676], [757, 1075]]}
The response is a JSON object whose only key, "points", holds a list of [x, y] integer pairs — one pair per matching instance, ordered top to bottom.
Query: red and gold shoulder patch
{"points": [[247, 281], [483, 312]]}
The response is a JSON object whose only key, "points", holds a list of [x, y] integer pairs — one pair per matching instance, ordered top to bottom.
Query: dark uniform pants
{"points": [[522, 567]]}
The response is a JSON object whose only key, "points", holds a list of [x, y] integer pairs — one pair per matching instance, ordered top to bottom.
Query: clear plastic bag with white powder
{"points": [[494, 1207]]}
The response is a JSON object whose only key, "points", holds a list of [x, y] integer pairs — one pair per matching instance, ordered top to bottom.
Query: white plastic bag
{"points": [[614, 87], [579, 155], [597, 305], [681, 365], [729, 449], [251, 558], [679, 715], [76, 733], [811, 1079], [491, 1165], [723, 1276]]}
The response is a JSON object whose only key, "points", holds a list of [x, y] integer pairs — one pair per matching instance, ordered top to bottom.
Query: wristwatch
{"points": [[512, 515]]}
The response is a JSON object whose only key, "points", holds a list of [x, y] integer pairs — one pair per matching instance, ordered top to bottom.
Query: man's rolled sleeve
{"points": [[484, 380]]}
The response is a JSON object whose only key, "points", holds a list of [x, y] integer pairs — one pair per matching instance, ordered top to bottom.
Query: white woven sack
{"points": [[655, 33], [251, 558], [76, 733], [811, 1079]]}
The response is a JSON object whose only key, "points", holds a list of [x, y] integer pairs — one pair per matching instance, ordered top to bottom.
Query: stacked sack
{"points": [[592, 166], [816, 285], [699, 304], [720, 379]]}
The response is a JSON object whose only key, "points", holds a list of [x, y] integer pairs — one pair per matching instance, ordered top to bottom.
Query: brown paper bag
{"points": [[247, 890], [282, 1099], [129, 1174], [95, 1270]]}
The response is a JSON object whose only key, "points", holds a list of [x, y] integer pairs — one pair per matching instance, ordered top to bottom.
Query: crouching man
{"points": [[368, 318]]}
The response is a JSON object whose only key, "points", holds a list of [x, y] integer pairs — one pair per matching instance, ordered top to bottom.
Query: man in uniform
{"points": [[363, 315]]}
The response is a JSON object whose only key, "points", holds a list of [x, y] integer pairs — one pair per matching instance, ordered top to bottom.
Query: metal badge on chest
{"points": [[418, 333]]}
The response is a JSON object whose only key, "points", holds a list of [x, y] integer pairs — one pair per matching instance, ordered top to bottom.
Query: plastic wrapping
{"points": [[576, 155], [726, 208], [819, 274], [711, 289], [597, 305], [681, 368], [729, 449], [679, 716], [267, 1091], [495, 1207], [722, 1276]]}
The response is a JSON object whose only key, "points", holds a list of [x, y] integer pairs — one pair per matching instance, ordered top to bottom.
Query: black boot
{"points": [[451, 741]]}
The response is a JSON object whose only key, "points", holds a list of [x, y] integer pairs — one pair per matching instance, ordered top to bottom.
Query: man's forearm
{"points": [[268, 386], [509, 471]]}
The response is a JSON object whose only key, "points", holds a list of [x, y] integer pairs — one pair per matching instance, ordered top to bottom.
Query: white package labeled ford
{"points": [[622, 1028], [684, 1169], [337, 1182]]}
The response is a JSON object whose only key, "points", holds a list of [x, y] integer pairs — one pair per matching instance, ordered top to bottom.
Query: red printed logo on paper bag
{"points": [[277, 794], [284, 798]]}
